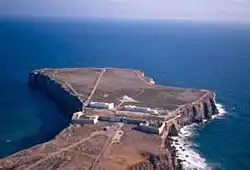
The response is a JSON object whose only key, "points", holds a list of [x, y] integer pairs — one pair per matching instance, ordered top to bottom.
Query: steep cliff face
{"points": [[57, 91], [199, 110], [195, 112], [162, 162], [175, 163]]}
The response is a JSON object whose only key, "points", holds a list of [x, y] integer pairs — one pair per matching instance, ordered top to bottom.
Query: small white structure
{"points": [[151, 81], [101, 105], [140, 109], [76, 115]]}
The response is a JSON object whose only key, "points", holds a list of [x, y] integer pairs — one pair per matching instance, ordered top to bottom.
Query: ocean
{"points": [[193, 54]]}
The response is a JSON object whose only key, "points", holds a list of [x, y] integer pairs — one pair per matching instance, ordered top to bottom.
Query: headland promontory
{"points": [[121, 119]]}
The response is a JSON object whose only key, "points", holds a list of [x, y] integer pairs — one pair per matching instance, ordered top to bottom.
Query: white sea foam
{"points": [[221, 110], [204, 120], [184, 146], [190, 159]]}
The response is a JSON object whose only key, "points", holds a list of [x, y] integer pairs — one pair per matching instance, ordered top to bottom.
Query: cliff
{"points": [[58, 91], [201, 109], [92, 147]]}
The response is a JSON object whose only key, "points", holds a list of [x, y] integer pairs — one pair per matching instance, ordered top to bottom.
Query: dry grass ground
{"points": [[116, 83], [78, 147], [130, 149]]}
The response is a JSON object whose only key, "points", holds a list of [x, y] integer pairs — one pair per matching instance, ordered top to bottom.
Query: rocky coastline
{"points": [[57, 91], [71, 101]]}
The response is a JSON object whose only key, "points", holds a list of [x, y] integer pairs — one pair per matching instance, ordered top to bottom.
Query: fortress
{"points": [[121, 119]]}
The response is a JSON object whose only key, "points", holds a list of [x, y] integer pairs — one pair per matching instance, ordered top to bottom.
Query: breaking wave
{"points": [[221, 110], [185, 152]]}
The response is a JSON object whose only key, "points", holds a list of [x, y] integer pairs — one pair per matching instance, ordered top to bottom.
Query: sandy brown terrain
{"points": [[120, 146]]}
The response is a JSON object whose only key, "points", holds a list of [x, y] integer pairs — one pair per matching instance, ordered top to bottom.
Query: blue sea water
{"points": [[186, 54]]}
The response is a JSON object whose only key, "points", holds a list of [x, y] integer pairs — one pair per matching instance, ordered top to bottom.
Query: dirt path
{"points": [[142, 78], [96, 84], [72, 89], [63, 149], [105, 149]]}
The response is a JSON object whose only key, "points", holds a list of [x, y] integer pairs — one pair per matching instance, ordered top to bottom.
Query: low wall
{"points": [[110, 118], [121, 119], [83, 121], [133, 121], [161, 129]]}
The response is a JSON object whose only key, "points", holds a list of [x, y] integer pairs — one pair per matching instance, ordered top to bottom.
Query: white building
{"points": [[152, 81], [101, 105], [140, 109], [110, 118], [151, 129]]}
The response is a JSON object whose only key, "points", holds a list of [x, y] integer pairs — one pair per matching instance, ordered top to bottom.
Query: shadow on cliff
{"points": [[52, 121]]}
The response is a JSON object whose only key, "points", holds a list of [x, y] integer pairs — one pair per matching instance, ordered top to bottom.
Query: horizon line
{"points": [[84, 18]]}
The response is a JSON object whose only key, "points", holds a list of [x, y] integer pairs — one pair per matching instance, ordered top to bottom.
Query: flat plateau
{"points": [[112, 84], [112, 145]]}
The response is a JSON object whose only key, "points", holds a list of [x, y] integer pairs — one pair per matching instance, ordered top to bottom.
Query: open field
{"points": [[114, 84]]}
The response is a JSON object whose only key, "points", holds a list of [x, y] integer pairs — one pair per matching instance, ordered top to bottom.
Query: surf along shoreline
{"points": [[64, 85], [184, 146]]}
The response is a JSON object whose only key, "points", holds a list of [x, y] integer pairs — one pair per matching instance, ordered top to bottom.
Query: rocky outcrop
{"points": [[57, 91], [199, 110], [195, 112], [161, 162], [175, 163]]}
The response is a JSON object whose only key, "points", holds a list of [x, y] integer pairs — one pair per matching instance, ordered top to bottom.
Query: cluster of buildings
{"points": [[131, 108], [142, 125]]}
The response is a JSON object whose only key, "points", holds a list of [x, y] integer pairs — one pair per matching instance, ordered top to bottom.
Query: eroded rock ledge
{"points": [[112, 144]]}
